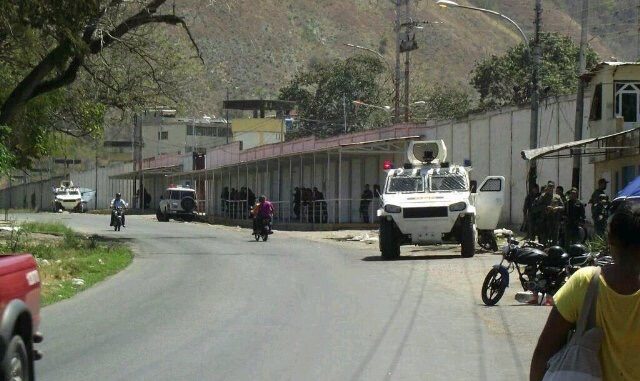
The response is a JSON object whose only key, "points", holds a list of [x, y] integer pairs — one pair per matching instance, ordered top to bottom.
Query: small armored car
{"points": [[67, 197], [430, 201]]}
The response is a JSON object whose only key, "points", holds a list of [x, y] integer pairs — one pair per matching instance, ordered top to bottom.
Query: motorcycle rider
{"points": [[117, 202], [263, 213]]}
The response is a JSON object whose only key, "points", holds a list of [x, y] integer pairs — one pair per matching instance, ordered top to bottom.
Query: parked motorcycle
{"points": [[117, 218], [538, 271]]}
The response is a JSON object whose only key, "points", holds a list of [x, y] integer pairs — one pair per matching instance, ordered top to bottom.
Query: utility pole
{"points": [[407, 62], [396, 101], [344, 111], [227, 116], [533, 131], [577, 158], [95, 195]]}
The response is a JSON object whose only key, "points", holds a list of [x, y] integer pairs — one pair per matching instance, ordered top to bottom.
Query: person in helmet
{"points": [[118, 202], [263, 213]]}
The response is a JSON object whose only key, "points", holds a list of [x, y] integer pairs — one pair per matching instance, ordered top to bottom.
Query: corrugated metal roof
{"points": [[587, 76], [538, 153]]}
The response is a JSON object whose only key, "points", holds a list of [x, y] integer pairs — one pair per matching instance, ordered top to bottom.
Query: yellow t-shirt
{"points": [[618, 316]]}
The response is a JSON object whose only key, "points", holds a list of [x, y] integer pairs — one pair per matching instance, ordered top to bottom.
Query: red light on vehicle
{"points": [[387, 165]]}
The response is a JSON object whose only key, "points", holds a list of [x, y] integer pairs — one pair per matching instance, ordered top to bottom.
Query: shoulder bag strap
{"points": [[587, 319]]}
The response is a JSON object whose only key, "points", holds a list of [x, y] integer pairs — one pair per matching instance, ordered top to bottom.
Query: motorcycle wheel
{"points": [[265, 236], [257, 237], [493, 287]]}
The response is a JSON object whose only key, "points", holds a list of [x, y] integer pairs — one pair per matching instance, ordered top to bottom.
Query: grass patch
{"points": [[53, 228], [68, 262]]}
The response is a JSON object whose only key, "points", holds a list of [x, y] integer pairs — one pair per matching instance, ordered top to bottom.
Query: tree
{"points": [[63, 62], [506, 80], [319, 93], [442, 101]]}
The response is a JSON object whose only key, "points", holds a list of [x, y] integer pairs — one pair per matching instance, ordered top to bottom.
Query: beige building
{"points": [[615, 109], [257, 131], [164, 133]]}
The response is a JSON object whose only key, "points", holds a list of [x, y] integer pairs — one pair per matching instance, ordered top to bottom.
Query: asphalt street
{"points": [[203, 302]]}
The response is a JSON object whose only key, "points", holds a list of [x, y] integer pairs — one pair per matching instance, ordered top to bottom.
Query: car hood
{"points": [[425, 199]]}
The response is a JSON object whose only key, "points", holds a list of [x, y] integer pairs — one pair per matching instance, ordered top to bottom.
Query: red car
{"points": [[19, 316]]}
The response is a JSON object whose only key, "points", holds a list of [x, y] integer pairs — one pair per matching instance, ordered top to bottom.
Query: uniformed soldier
{"points": [[595, 196], [551, 207], [600, 212], [529, 213], [575, 217]]}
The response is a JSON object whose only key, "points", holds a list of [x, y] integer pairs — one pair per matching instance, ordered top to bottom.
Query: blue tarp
{"points": [[631, 190]]}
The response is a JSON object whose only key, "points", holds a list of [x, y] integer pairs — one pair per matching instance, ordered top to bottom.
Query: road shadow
{"points": [[412, 258]]}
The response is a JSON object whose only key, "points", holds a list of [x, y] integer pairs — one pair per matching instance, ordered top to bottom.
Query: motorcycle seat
{"points": [[529, 256]]}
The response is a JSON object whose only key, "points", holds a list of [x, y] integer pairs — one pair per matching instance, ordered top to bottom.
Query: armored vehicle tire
{"points": [[161, 217], [389, 243], [468, 247]]}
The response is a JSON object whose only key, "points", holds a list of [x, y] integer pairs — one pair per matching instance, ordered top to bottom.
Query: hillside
{"points": [[252, 47]]}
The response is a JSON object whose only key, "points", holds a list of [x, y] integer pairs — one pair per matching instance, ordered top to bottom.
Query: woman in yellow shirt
{"points": [[617, 309]]}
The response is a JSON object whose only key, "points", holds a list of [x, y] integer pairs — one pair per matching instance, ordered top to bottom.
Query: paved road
{"points": [[208, 303]]}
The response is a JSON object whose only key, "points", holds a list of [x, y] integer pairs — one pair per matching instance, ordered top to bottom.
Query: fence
{"points": [[312, 212]]}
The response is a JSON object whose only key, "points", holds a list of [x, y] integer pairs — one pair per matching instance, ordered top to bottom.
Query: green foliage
{"points": [[64, 63], [506, 80], [319, 92], [441, 102], [7, 159], [64, 256]]}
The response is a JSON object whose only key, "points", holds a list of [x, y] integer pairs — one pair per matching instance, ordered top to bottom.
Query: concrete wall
{"points": [[492, 141], [105, 190]]}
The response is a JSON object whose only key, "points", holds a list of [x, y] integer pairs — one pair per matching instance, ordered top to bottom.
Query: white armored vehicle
{"points": [[68, 197], [430, 201]]}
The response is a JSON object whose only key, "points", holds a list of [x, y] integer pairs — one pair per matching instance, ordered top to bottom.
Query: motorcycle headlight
{"points": [[458, 206], [392, 209]]}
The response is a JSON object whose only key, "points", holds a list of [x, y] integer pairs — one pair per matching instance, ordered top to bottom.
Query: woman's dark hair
{"points": [[624, 227]]}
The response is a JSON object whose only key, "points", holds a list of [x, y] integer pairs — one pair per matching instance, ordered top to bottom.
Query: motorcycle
{"points": [[117, 218], [263, 230], [538, 271]]}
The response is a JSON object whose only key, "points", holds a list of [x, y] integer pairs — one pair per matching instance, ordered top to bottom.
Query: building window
{"points": [[627, 98], [596, 103], [190, 130], [163, 135]]}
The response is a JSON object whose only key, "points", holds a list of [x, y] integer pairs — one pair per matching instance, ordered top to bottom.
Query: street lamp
{"points": [[453, 4], [393, 79], [385, 108], [533, 130]]}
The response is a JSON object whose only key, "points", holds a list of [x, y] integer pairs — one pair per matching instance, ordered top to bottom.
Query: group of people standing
{"points": [[365, 201], [237, 202], [309, 205], [555, 217]]}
